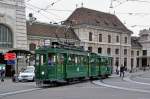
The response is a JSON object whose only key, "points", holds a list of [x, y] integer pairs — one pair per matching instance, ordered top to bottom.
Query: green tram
{"points": [[65, 64]]}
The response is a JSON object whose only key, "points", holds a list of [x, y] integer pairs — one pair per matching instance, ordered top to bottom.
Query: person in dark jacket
{"points": [[122, 69], [2, 74]]}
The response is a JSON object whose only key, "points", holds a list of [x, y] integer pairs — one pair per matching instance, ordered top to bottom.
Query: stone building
{"points": [[12, 25], [102, 33], [43, 34], [13, 36], [144, 39], [136, 52]]}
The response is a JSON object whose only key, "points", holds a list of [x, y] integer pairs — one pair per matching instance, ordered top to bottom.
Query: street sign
{"points": [[10, 56], [10, 62]]}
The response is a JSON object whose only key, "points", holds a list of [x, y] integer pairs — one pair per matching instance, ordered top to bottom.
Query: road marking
{"points": [[129, 80], [122, 88], [18, 92]]}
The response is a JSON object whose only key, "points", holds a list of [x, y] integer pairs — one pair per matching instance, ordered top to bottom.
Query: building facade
{"points": [[12, 25], [103, 33], [43, 34], [13, 35], [144, 39], [136, 52]]}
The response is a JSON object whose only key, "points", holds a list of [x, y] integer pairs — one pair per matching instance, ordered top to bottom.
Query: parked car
{"points": [[27, 75]]}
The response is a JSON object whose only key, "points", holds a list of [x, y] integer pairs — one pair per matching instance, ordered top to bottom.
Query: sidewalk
{"points": [[138, 72], [9, 86]]}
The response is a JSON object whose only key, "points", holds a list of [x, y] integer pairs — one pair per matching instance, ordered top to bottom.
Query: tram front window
{"points": [[37, 59], [40, 59]]}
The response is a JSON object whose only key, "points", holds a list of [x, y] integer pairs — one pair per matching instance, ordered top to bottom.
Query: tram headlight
{"points": [[42, 72]]}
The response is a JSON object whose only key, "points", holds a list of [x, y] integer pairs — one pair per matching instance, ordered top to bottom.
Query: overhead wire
{"points": [[140, 1], [48, 6], [42, 9], [40, 13], [133, 13], [56, 16]]}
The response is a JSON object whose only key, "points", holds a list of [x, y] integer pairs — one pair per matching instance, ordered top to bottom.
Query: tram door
{"points": [[52, 66], [60, 66], [93, 66]]}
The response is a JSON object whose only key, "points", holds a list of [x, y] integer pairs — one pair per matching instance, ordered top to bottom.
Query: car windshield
{"points": [[28, 71]]}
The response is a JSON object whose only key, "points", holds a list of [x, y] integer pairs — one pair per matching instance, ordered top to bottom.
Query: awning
{"points": [[20, 51]]}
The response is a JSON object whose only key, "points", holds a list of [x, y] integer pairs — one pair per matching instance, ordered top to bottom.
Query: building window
{"points": [[90, 36], [6, 37], [100, 37], [109, 38], [117, 39], [126, 40], [90, 49], [99, 50], [108, 51], [117, 51], [125, 51], [144, 52], [132, 53], [137, 53], [117, 61], [125, 62], [137, 62], [132, 63]]}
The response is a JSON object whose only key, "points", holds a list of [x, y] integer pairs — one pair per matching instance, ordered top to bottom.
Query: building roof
{"points": [[96, 18], [50, 30], [135, 42]]}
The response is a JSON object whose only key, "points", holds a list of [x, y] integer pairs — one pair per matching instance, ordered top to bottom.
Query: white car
{"points": [[27, 75]]}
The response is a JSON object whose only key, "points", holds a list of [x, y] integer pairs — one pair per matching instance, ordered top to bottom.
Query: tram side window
{"points": [[52, 58], [60, 58], [37, 59], [42, 59], [71, 59], [80, 60], [85, 60], [102, 61], [105, 61], [92, 62], [97, 62], [109, 62]]}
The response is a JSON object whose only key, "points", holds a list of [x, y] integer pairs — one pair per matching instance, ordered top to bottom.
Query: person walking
{"points": [[122, 69], [2, 74]]}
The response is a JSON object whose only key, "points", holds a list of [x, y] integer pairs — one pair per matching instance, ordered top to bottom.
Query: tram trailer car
{"points": [[54, 65]]}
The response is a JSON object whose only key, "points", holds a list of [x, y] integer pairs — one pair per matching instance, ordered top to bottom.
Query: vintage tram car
{"points": [[64, 63]]}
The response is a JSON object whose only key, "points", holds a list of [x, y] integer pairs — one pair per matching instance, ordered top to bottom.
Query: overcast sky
{"points": [[135, 14]]}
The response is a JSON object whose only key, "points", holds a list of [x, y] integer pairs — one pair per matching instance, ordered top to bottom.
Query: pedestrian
{"points": [[122, 69], [117, 71], [2, 74]]}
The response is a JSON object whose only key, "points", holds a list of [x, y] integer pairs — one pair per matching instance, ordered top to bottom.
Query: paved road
{"points": [[132, 87]]}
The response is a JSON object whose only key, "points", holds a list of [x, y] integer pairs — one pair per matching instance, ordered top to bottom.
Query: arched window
{"points": [[6, 37]]}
